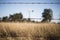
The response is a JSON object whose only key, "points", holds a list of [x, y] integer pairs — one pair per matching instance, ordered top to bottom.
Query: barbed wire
{"points": [[27, 3]]}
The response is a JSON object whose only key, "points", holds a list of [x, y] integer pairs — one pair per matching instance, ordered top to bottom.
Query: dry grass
{"points": [[29, 31]]}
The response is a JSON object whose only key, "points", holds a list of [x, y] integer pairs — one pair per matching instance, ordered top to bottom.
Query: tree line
{"points": [[46, 15], [14, 17]]}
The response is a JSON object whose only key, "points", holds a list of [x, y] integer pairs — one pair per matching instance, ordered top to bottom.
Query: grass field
{"points": [[29, 31]]}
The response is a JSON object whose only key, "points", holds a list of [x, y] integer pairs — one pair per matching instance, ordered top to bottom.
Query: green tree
{"points": [[47, 15], [16, 17], [5, 18], [11, 18], [0, 19]]}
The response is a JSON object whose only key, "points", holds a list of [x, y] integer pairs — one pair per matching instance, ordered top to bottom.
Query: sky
{"points": [[7, 9]]}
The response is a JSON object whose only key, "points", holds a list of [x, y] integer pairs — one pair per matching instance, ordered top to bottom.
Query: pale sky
{"points": [[6, 9]]}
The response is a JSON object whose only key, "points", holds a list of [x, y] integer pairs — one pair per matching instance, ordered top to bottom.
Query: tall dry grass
{"points": [[29, 31]]}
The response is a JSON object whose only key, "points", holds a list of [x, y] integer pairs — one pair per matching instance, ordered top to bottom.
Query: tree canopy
{"points": [[47, 15], [16, 17]]}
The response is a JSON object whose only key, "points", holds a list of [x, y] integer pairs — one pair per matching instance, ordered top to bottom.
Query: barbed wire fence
{"points": [[28, 3]]}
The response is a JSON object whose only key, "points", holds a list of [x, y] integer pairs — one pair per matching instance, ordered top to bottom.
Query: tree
{"points": [[19, 15], [47, 15], [16, 17], [5, 18], [11, 18], [0, 19]]}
